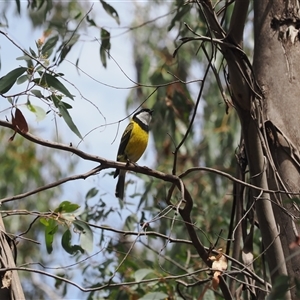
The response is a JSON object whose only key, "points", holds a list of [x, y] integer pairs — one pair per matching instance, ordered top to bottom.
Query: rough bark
{"points": [[277, 70], [266, 97], [10, 287]]}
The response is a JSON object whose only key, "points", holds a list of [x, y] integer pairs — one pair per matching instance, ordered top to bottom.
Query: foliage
{"points": [[24, 168], [179, 238]]}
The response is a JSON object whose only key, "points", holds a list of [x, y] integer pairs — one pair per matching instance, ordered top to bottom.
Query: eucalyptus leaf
{"points": [[111, 11], [49, 45], [7, 81], [53, 82], [65, 114], [91, 193], [66, 207], [50, 231], [86, 235], [66, 243], [141, 274]]}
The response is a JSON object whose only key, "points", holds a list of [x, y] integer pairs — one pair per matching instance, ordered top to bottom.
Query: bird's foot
{"points": [[131, 162]]}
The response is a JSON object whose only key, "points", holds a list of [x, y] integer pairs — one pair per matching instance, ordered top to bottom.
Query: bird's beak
{"points": [[151, 112]]}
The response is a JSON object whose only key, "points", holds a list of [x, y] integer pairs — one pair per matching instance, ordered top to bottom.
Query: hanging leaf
{"points": [[18, 6], [111, 11], [181, 11], [90, 21], [49, 45], [105, 46], [33, 52], [23, 57], [22, 79], [48, 80], [7, 81], [56, 84], [37, 93], [66, 105], [39, 112], [65, 114], [19, 121], [91, 193], [44, 221], [51, 229], [86, 235], [66, 243], [218, 266], [59, 282]]}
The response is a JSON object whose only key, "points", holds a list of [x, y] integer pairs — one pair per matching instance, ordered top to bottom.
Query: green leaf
{"points": [[18, 6], [111, 11], [181, 11], [78, 15], [90, 21], [105, 39], [49, 45], [105, 46], [32, 52], [23, 57], [103, 57], [22, 79], [7, 81], [52, 81], [37, 93], [55, 99], [66, 105], [37, 110], [65, 114], [91, 193], [66, 207], [44, 221], [50, 231], [86, 235], [66, 243], [141, 274], [59, 282], [155, 296]]}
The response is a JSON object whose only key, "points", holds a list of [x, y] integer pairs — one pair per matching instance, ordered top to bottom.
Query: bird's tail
{"points": [[120, 185]]}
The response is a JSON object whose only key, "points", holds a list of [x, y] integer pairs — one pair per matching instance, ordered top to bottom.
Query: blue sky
{"points": [[110, 101]]}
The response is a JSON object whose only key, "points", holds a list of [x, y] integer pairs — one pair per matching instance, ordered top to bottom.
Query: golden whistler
{"points": [[133, 144]]}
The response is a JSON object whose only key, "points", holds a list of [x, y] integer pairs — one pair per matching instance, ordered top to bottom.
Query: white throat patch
{"points": [[144, 117]]}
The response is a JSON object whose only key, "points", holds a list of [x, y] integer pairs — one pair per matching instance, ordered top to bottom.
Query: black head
{"points": [[150, 111], [144, 115]]}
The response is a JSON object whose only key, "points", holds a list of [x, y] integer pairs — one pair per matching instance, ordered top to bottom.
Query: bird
{"points": [[133, 144]]}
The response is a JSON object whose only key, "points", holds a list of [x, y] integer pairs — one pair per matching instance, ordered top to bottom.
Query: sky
{"points": [[110, 101]]}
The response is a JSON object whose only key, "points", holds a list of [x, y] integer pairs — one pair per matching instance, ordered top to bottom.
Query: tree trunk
{"points": [[277, 69], [11, 288]]}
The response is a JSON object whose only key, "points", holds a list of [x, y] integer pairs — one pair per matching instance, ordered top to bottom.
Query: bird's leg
{"points": [[131, 162]]}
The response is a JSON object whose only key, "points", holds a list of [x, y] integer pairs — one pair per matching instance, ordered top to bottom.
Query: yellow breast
{"points": [[137, 143]]}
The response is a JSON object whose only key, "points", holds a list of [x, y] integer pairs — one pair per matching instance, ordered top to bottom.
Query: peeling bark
{"points": [[277, 69], [266, 97], [10, 286]]}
